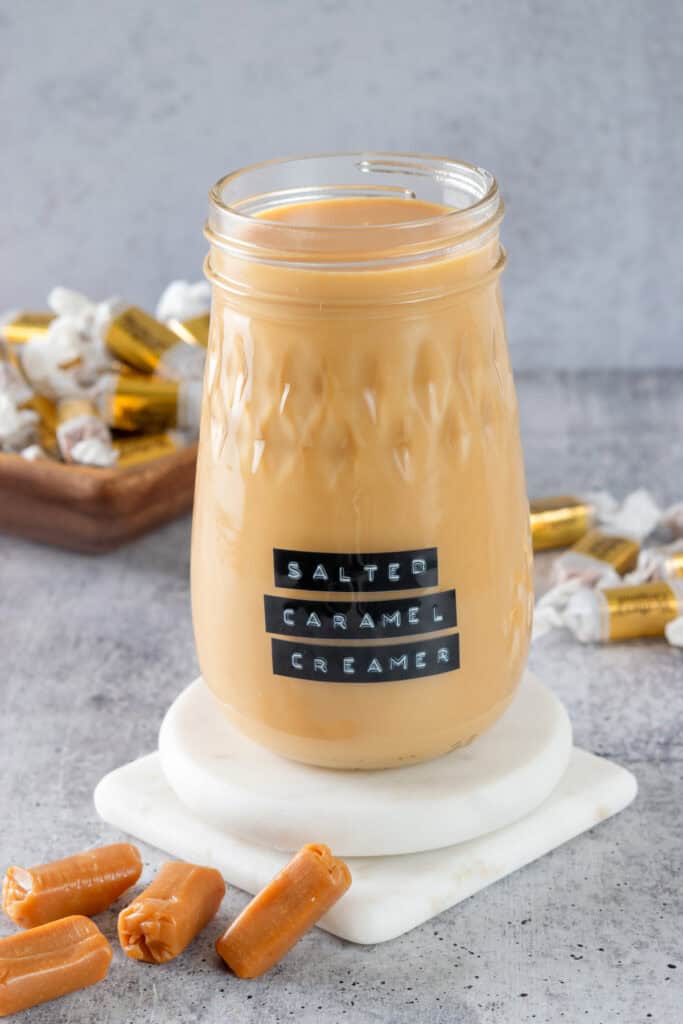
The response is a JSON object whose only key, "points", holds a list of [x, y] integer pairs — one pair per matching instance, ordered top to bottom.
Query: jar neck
{"points": [[354, 227]]}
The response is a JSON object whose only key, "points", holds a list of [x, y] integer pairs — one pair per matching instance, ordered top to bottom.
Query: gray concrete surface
{"points": [[116, 117], [94, 649]]}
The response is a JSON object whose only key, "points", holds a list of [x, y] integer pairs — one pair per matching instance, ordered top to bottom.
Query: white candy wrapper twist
{"points": [[182, 300], [68, 358], [183, 362], [12, 381], [18, 427], [82, 437], [93, 451], [34, 453], [636, 517], [672, 518], [658, 563], [551, 607], [674, 632]]}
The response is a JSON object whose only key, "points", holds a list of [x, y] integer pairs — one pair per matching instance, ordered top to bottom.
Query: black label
{"points": [[382, 571], [360, 620], [366, 664]]}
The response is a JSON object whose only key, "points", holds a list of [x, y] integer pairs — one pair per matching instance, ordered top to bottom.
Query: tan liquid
{"points": [[384, 425]]}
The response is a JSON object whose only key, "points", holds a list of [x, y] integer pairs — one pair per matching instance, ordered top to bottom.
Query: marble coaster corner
{"points": [[390, 894]]}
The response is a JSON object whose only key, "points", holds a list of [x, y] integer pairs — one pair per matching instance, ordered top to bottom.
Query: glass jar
{"points": [[361, 559]]}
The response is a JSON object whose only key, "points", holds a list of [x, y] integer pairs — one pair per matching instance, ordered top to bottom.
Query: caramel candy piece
{"points": [[20, 327], [195, 331], [139, 340], [149, 346], [133, 401], [139, 448], [559, 522], [619, 552], [86, 883], [165, 918], [276, 919], [50, 961]]}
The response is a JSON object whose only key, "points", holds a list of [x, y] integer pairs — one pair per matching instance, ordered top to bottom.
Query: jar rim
{"points": [[469, 193]]}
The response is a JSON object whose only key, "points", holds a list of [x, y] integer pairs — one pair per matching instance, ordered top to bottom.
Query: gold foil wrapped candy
{"points": [[558, 522], [624, 613]]}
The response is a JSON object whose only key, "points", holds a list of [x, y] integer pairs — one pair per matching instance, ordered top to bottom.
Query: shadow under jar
{"points": [[361, 561]]}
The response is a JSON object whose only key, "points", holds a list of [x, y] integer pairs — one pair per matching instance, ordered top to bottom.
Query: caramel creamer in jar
{"points": [[361, 554]]}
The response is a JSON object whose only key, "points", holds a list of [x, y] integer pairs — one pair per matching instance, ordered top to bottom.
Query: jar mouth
{"points": [[240, 201]]}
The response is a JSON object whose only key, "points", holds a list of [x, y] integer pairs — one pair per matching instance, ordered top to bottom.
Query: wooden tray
{"points": [[93, 510]]}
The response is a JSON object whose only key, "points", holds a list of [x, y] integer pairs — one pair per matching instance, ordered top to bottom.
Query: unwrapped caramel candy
{"points": [[86, 883], [166, 917], [276, 919], [50, 961]]}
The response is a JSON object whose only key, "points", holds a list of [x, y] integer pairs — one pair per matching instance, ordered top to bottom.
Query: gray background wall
{"points": [[116, 117]]}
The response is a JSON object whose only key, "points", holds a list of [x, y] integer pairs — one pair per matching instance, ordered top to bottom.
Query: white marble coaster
{"points": [[230, 782], [389, 895]]}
